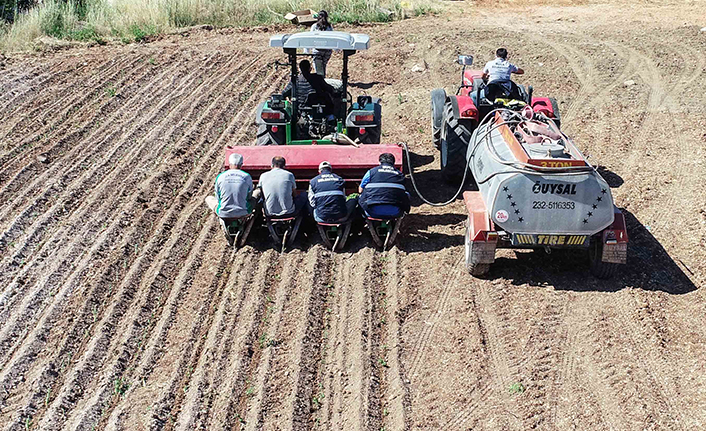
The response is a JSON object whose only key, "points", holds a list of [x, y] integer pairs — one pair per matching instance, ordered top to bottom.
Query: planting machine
{"points": [[307, 132]]}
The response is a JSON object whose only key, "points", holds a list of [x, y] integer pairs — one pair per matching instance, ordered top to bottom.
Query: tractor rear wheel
{"points": [[438, 99], [454, 143], [474, 268], [600, 269]]}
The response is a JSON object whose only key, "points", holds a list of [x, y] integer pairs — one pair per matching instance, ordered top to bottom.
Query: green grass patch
{"points": [[137, 20]]}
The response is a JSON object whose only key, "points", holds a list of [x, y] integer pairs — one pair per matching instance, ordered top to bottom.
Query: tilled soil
{"points": [[121, 307]]}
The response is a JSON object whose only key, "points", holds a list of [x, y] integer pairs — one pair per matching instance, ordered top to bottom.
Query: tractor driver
{"points": [[498, 73], [308, 83], [382, 190], [327, 197]]}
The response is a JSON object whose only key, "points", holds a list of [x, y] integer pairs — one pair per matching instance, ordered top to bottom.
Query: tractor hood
{"points": [[322, 40]]}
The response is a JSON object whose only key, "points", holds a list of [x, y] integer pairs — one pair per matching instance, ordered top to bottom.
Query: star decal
{"points": [[505, 188], [603, 191], [509, 196], [599, 198], [513, 204], [595, 206], [517, 211], [590, 213], [520, 219], [585, 221]]}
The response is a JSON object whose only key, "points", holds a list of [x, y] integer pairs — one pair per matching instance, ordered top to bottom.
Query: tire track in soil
{"points": [[59, 134], [52, 218], [491, 304], [420, 345], [544, 350]]}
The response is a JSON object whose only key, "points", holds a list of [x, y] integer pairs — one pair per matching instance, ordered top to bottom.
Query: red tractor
{"points": [[454, 118]]}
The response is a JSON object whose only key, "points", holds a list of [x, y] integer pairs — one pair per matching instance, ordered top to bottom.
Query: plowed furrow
{"points": [[29, 83], [158, 92], [55, 104], [57, 139], [198, 182], [73, 198], [58, 212], [178, 336], [543, 350], [307, 353], [122, 356], [197, 370], [350, 370], [229, 376], [268, 380], [395, 397]]}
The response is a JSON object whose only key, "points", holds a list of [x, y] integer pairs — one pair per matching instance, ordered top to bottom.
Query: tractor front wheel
{"points": [[438, 99], [454, 143]]}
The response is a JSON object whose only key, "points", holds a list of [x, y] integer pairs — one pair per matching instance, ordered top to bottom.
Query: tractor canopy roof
{"points": [[322, 40]]}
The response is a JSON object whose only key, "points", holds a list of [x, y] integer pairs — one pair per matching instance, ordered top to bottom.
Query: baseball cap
{"points": [[235, 159], [323, 165]]}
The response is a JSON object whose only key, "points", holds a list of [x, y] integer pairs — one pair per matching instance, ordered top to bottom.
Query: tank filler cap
{"points": [[547, 149]]}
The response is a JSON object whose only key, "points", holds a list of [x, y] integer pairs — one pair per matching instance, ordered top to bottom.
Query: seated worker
{"points": [[497, 73], [308, 83], [234, 189], [382, 190], [279, 191], [327, 197]]}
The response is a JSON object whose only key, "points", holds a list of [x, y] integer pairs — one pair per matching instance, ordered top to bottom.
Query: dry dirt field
{"points": [[122, 308]]}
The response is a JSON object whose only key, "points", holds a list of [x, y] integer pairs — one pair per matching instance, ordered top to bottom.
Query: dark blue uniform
{"points": [[383, 187], [328, 198]]}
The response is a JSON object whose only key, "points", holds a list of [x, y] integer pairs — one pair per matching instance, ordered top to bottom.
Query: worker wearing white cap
{"points": [[233, 189], [327, 196]]}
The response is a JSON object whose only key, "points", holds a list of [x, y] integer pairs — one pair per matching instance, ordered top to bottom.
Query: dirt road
{"points": [[121, 308]]}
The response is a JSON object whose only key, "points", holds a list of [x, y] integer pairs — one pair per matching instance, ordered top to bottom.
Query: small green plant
{"points": [[110, 91], [399, 98], [263, 340], [383, 362], [120, 386], [517, 388], [250, 391], [317, 400]]}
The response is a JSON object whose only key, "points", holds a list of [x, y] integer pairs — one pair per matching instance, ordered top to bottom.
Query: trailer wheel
{"points": [[438, 98], [454, 142], [474, 268], [600, 269]]}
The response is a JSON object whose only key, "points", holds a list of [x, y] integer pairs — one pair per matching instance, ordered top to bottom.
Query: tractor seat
{"points": [[323, 100], [285, 217]]}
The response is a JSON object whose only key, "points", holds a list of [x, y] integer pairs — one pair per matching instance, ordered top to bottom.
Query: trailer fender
{"points": [[481, 232], [615, 239]]}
